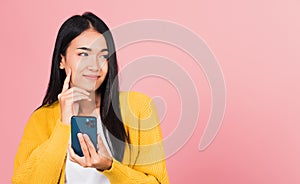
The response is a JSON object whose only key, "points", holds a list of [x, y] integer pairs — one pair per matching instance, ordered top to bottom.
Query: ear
{"points": [[62, 63]]}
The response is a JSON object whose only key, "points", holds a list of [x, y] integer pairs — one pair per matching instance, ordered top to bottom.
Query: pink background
{"points": [[256, 42]]}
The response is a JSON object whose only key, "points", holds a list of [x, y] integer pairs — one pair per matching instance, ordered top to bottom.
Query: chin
{"points": [[86, 87], [89, 87]]}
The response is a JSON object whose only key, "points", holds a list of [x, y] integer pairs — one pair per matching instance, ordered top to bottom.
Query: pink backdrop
{"points": [[257, 45]]}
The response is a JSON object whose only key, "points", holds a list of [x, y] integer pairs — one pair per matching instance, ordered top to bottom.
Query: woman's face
{"points": [[87, 56]]}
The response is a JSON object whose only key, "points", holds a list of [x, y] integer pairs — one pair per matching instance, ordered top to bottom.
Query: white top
{"points": [[76, 174]]}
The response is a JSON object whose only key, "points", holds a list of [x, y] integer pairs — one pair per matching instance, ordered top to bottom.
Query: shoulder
{"points": [[134, 96], [136, 101], [140, 107], [49, 111], [44, 116], [141, 120], [42, 121]]}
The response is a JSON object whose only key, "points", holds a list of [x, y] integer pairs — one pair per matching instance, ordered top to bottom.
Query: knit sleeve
{"points": [[41, 153], [148, 163]]}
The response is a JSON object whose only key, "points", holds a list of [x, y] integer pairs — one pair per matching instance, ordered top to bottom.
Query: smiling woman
{"points": [[86, 56], [84, 82]]}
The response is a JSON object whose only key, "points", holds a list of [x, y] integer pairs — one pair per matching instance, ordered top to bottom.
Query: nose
{"points": [[94, 64]]}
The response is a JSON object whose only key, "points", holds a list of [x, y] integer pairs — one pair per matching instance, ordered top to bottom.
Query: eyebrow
{"points": [[89, 49]]}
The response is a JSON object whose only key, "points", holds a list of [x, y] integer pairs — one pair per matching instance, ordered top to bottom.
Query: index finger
{"points": [[67, 81], [90, 146]]}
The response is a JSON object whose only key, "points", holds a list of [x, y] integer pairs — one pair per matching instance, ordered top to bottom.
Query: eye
{"points": [[83, 54], [103, 56]]}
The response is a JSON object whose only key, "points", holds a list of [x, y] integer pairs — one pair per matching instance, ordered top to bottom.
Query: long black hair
{"points": [[109, 89]]}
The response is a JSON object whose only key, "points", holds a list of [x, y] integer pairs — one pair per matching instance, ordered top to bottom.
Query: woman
{"points": [[84, 82]]}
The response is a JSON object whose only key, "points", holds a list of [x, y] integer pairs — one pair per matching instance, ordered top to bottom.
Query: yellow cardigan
{"points": [[42, 151]]}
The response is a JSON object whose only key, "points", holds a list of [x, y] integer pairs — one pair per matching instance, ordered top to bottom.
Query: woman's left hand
{"points": [[101, 160]]}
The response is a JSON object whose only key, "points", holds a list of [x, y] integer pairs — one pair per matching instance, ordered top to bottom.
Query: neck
{"points": [[88, 107]]}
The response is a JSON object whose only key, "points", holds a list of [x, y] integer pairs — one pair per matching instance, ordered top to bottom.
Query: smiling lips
{"points": [[92, 77]]}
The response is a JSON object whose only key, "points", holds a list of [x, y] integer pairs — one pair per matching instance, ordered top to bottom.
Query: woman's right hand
{"points": [[68, 99]]}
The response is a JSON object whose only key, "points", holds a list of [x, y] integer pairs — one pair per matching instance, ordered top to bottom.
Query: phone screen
{"points": [[86, 125]]}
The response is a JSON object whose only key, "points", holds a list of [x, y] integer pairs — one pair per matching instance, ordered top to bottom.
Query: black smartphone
{"points": [[86, 125]]}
